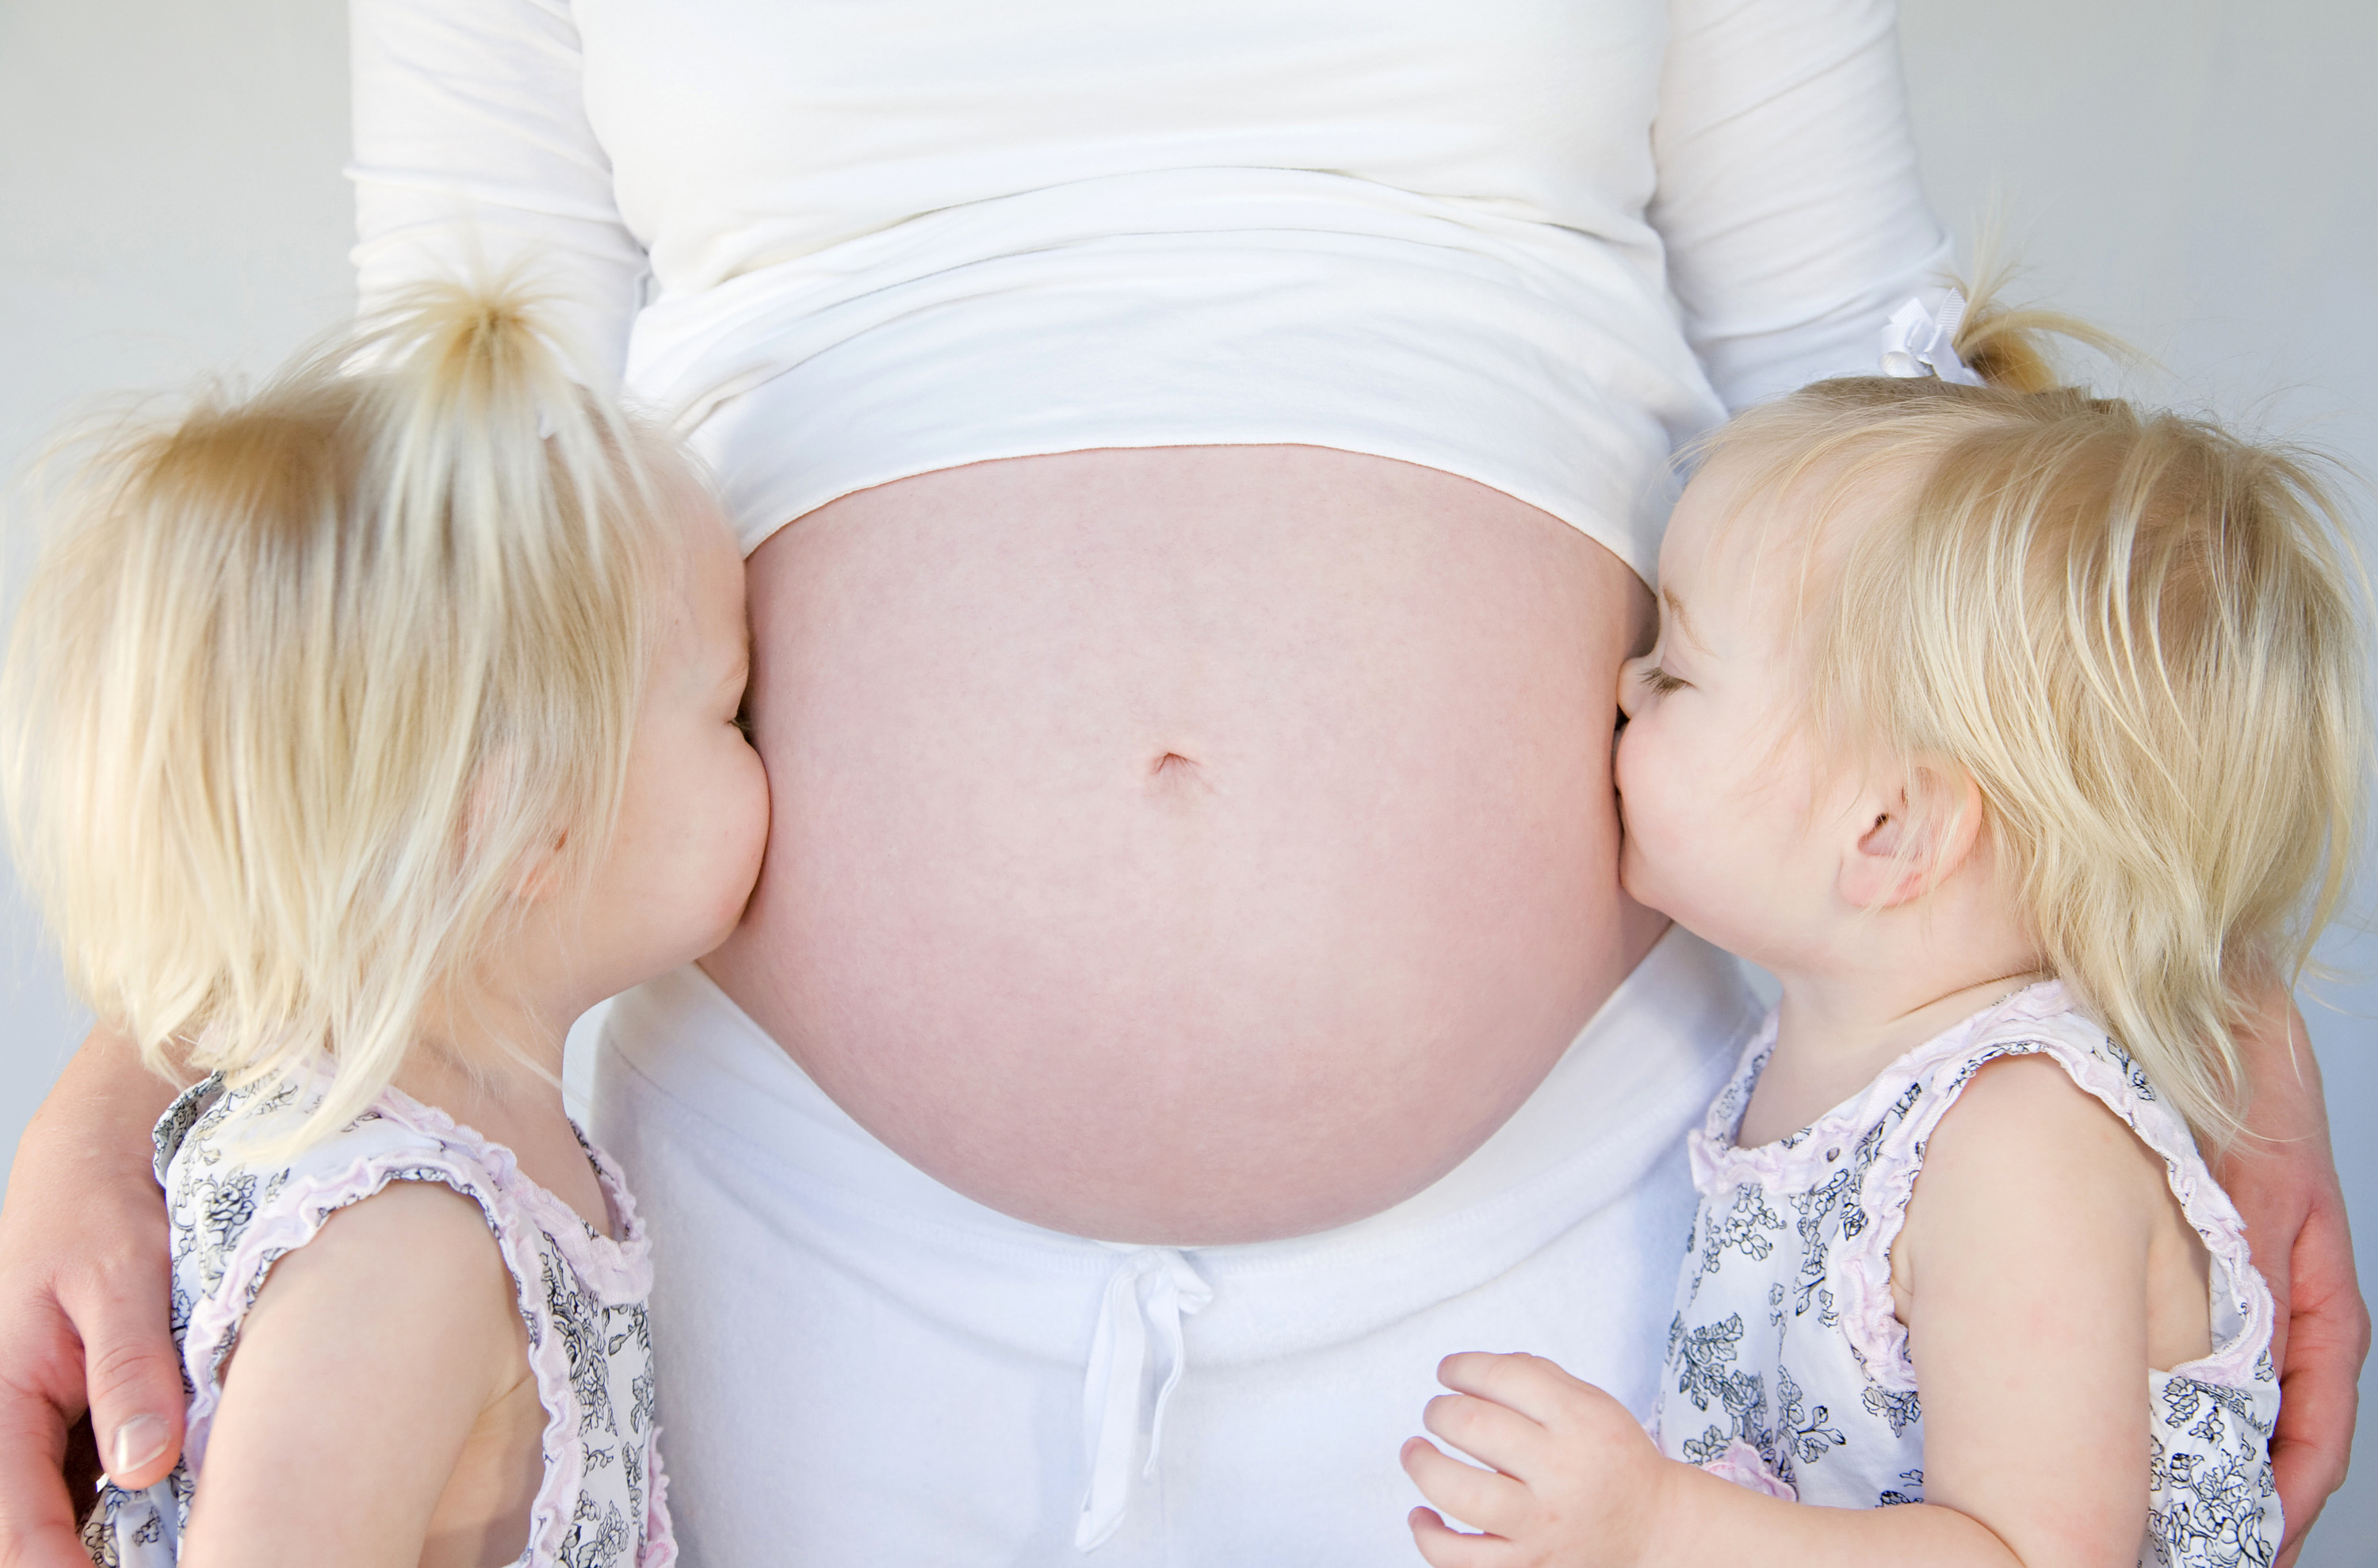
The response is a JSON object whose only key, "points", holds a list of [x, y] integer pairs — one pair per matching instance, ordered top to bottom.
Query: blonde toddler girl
{"points": [[2020, 733], [359, 735]]}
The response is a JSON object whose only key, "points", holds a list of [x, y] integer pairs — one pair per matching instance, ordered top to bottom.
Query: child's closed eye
{"points": [[1660, 681]]}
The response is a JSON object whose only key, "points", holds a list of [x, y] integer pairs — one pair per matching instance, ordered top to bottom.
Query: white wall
{"points": [[2193, 173]]}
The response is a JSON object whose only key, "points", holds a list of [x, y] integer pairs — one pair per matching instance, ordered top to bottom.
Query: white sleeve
{"points": [[472, 154], [1789, 196]]}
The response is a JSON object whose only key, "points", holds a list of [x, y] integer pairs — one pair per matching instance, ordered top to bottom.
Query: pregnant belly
{"points": [[1192, 845]]}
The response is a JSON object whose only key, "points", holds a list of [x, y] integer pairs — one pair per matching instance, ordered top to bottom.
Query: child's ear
{"points": [[1913, 829], [539, 875]]}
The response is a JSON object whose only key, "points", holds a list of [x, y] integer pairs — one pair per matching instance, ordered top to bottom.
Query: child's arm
{"points": [[2025, 1253], [358, 1376], [1576, 1481]]}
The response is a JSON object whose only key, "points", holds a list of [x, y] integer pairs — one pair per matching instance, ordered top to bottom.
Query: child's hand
{"points": [[1575, 1480]]}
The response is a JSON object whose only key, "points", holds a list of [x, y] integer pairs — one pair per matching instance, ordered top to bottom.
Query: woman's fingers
{"points": [[2282, 1176], [84, 1311], [2327, 1340], [134, 1376], [42, 1380], [1493, 1502], [37, 1518], [1441, 1546]]}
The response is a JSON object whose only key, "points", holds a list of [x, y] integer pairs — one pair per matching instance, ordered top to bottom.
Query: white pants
{"points": [[860, 1367]]}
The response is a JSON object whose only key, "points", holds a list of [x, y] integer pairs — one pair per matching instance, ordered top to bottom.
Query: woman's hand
{"points": [[2283, 1178], [84, 1314], [1574, 1477]]}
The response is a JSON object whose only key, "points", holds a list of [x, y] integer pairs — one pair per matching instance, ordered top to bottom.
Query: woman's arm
{"points": [[474, 153], [1788, 195], [2283, 1178], [83, 1300], [361, 1369]]}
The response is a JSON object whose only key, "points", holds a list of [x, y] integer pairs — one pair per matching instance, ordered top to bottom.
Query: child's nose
{"points": [[1631, 685]]}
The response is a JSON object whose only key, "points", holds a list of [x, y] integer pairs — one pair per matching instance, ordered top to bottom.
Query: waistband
{"points": [[1638, 1074], [815, 1184]]}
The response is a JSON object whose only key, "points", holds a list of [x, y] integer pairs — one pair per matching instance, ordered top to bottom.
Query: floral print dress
{"points": [[581, 1297], [1787, 1368]]}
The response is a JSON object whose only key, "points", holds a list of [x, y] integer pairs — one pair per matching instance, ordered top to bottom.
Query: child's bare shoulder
{"points": [[2028, 1104], [2025, 1137], [2030, 1176], [408, 1227], [407, 1281]]}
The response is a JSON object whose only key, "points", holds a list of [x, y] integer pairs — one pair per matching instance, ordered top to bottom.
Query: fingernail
{"points": [[138, 1441]]}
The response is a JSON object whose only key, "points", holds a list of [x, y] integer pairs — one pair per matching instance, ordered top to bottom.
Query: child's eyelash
{"points": [[1660, 680]]}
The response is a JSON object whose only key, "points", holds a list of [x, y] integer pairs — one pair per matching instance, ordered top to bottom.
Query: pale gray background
{"points": [[2193, 173]]}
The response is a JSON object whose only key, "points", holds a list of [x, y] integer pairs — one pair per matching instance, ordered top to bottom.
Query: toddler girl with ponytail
{"points": [[2022, 734], [358, 736]]}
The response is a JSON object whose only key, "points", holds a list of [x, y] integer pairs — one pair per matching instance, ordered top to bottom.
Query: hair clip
{"points": [[1921, 339]]}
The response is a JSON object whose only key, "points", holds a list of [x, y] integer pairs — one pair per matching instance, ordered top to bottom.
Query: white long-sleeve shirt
{"points": [[1535, 242]]}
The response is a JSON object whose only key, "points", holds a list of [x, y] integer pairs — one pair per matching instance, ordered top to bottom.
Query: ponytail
{"points": [[2008, 345]]}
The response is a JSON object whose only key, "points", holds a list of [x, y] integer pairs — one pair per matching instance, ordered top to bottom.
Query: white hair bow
{"points": [[1921, 339]]}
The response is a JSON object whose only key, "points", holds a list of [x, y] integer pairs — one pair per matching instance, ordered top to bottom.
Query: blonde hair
{"points": [[2137, 634], [303, 682]]}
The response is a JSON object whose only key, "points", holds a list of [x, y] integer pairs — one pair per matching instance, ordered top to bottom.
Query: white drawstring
{"points": [[1153, 1287]]}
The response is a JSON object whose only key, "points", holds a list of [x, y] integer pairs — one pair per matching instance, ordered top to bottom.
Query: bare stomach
{"points": [[1192, 845]]}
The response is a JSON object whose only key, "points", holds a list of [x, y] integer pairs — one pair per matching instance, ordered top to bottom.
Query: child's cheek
{"points": [[1633, 769], [1640, 806], [1630, 872]]}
